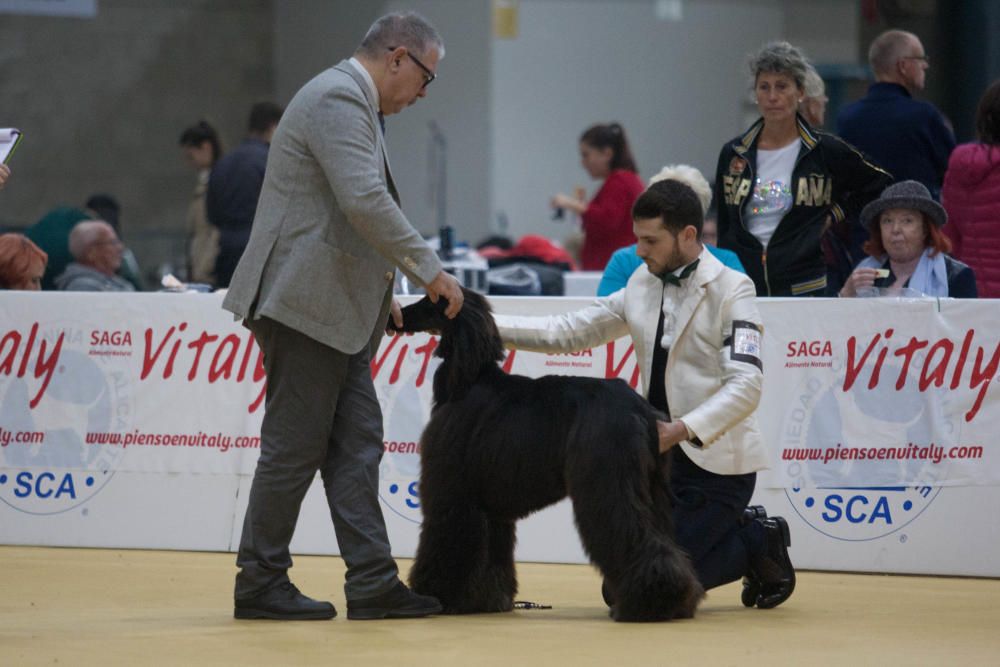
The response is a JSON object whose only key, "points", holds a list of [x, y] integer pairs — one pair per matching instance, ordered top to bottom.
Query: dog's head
{"points": [[422, 315], [425, 315], [469, 343]]}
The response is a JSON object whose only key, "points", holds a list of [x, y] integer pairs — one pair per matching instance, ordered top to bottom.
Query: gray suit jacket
{"points": [[328, 230]]}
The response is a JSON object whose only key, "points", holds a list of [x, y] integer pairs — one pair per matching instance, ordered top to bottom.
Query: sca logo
{"points": [[88, 393], [60, 490], [401, 497], [858, 498], [855, 515]]}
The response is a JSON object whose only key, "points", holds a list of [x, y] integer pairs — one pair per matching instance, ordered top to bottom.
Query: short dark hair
{"points": [[988, 115], [264, 116], [198, 134], [611, 136], [673, 202], [106, 207]]}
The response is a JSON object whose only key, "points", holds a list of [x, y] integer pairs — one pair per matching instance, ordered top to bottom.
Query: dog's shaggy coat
{"points": [[499, 447]]}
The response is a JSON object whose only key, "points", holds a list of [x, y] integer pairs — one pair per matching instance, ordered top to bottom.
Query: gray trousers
{"points": [[321, 414]]}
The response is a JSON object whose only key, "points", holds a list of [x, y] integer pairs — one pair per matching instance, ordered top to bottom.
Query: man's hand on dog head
{"points": [[447, 286], [396, 315]]}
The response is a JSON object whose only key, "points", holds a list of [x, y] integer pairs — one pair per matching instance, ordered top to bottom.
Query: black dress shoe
{"points": [[753, 512], [773, 569], [751, 584], [751, 589], [398, 602], [284, 603]]}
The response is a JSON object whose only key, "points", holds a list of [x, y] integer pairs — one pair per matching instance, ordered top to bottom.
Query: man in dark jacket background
{"points": [[909, 138], [234, 188]]}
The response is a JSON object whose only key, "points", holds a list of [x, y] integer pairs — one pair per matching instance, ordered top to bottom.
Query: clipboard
{"points": [[9, 139]]}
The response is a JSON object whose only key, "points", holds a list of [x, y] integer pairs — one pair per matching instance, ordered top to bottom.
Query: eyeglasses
{"points": [[925, 59], [428, 74]]}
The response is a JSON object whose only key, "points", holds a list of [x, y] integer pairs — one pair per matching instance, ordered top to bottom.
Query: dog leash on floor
{"points": [[525, 604]]}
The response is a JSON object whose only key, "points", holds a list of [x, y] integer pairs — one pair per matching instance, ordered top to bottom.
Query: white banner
{"points": [[860, 393], [133, 420]]}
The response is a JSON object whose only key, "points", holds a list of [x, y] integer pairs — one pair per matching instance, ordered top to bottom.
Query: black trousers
{"points": [[708, 520]]}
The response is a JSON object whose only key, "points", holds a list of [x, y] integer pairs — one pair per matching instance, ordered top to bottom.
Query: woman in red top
{"points": [[607, 218]]}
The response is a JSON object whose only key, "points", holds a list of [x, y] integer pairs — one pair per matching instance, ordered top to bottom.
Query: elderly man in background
{"points": [[909, 138], [97, 253]]}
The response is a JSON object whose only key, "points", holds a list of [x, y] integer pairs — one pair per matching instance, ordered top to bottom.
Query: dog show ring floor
{"points": [[128, 607]]}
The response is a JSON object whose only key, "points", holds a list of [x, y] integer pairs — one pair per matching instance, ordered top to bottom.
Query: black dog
{"points": [[499, 447]]}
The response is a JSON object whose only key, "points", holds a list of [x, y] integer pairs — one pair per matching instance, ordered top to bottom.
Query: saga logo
{"points": [[112, 338], [809, 348]]}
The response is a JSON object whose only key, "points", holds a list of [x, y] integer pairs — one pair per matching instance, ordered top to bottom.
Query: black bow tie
{"points": [[671, 279]]}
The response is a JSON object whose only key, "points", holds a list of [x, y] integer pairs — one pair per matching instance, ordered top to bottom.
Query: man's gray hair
{"points": [[408, 29], [887, 49], [780, 58], [814, 83], [689, 176], [83, 235]]}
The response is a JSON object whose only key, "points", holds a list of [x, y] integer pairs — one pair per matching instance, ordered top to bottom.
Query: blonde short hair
{"points": [[690, 177]]}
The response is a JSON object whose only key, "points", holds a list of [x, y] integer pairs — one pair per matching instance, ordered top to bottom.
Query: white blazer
{"points": [[713, 332]]}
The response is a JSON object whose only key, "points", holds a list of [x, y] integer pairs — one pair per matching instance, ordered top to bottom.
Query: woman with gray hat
{"points": [[907, 249]]}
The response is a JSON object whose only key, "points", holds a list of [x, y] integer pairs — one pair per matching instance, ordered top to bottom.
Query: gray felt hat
{"points": [[905, 194]]}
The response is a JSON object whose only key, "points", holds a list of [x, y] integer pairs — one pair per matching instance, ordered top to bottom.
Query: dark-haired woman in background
{"points": [[202, 149], [971, 195], [607, 218]]}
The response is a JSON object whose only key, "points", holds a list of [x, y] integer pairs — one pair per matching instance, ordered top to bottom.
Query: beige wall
{"points": [[103, 101]]}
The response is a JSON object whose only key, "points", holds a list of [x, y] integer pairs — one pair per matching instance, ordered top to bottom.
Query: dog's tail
{"points": [[623, 512]]}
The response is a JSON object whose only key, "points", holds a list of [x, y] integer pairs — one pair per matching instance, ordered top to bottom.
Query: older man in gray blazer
{"points": [[315, 287]]}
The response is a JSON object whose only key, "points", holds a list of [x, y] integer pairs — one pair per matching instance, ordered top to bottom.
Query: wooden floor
{"points": [[105, 607]]}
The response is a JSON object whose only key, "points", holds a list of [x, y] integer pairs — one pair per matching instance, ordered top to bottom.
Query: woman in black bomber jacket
{"points": [[780, 186]]}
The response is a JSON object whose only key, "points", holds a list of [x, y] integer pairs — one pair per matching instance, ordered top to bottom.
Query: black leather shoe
{"points": [[753, 512], [774, 569], [751, 584], [751, 589], [398, 602], [284, 603]]}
